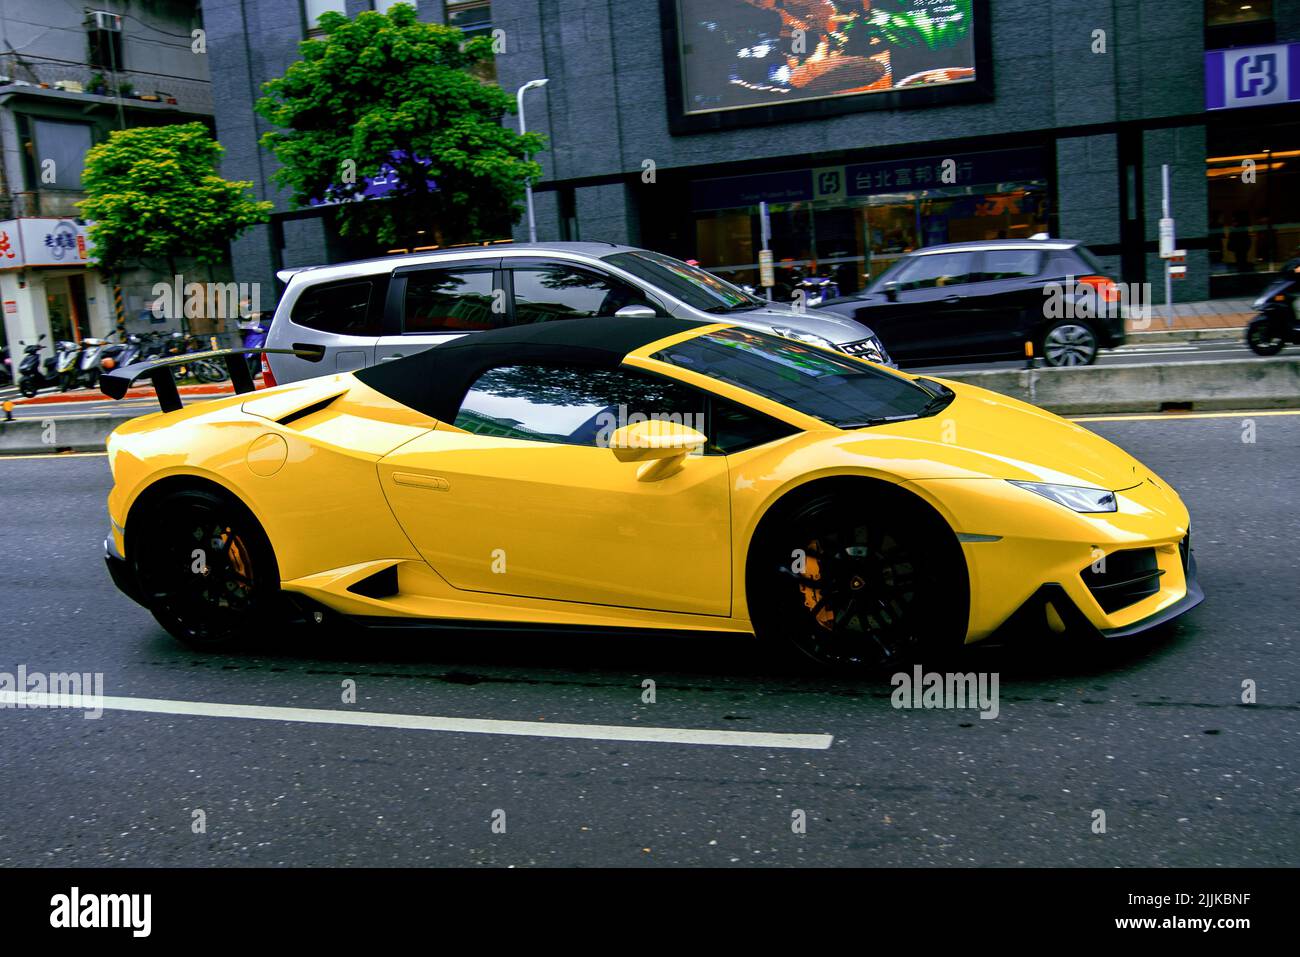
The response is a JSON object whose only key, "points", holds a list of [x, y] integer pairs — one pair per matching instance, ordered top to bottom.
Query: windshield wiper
{"points": [[739, 307], [938, 400], [933, 405], [878, 420]]}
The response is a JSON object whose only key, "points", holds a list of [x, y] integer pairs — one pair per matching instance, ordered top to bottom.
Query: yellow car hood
{"points": [[982, 434]]}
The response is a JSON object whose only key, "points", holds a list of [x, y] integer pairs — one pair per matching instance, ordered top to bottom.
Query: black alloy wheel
{"points": [[205, 567], [855, 584]]}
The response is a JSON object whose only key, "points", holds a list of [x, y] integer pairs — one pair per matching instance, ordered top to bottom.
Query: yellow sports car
{"points": [[645, 474]]}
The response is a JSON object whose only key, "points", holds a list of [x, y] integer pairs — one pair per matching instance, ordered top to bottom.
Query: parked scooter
{"points": [[1278, 322], [153, 345], [92, 351], [116, 354], [6, 368], [59, 369]]}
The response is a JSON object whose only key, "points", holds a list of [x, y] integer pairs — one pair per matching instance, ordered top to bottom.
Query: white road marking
{"points": [[1153, 348], [1180, 416], [50, 455], [419, 722]]}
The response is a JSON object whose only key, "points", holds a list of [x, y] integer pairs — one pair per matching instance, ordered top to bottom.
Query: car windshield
{"points": [[690, 284], [877, 284], [841, 391]]}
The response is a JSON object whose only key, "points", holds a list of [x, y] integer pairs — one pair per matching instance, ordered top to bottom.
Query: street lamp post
{"points": [[528, 183]]}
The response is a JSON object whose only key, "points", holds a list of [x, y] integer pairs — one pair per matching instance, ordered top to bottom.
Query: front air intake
{"points": [[1123, 578]]}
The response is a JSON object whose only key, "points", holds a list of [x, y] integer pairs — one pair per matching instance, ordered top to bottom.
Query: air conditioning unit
{"points": [[103, 20]]}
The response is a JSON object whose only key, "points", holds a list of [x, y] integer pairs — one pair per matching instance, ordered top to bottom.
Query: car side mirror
{"points": [[890, 290], [636, 312], [661, 445]]}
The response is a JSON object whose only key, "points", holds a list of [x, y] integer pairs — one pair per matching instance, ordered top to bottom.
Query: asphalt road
{"points": [[1151, 731]]}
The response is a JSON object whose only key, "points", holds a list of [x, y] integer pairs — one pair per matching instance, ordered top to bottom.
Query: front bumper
{"points": [[120, 570], [1051, 602]]}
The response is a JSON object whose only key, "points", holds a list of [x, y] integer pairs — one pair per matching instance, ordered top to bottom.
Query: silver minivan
{"points": [[363, 313]]}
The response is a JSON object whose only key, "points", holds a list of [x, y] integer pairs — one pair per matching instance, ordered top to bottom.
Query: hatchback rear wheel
{"points": [[1070, 343]]}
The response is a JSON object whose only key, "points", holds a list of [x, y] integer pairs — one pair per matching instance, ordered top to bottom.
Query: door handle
{"points": [[953, 300], [317, 351], [395, 355], [413, 479]]}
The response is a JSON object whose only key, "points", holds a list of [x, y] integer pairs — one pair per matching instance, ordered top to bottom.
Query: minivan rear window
{"points": [[340, 308]]}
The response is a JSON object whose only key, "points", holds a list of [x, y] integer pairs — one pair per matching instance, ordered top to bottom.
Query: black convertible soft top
{"points": [[435, 381]]}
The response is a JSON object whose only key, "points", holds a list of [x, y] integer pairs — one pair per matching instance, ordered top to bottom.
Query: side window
{"points": [[1011, 263], [936, 269], [560, 291], [451, 300], [341, 308], [573, 404], [733, 428]]}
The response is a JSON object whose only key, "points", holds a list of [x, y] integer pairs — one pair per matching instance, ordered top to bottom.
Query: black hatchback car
{"points": [[965, 302]]}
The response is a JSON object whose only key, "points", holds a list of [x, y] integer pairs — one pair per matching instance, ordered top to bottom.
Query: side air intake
{"points": [[306, 410], [382, 584]]}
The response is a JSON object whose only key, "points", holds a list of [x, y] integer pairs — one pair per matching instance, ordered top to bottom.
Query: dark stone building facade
{"points": [[1075, 107]]}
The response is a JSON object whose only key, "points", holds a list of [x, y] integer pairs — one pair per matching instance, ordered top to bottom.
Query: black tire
{"points": [[1262, 340], [1069, 342], [28, 388], [883, 580], [211, 601]]}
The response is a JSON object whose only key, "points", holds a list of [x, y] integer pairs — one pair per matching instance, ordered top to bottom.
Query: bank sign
{"points": [[1252, 76], [858, 180]]}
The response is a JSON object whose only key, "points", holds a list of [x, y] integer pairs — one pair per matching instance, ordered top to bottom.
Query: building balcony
{"points": [[95, 90]]}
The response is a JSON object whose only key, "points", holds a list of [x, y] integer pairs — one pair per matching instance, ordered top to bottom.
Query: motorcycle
{"points": [[817, 289], [1277, 322], [253, 334], [117, 354], [88, 364], [6, 368], [59, 369], [204, 370]]}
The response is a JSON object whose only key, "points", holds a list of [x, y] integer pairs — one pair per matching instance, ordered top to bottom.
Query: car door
{"points": [[547, 289], [1004, 301], [431, 304], [930, 316], [344, 317], [520, 497]]}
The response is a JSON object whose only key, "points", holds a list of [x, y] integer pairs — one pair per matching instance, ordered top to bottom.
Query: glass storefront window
{"points": [[1223, 12], [1253, 194], [851, 242]]}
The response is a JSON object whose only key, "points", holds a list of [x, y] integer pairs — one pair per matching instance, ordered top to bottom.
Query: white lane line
{"points": [[1153, 349], [419, 722]]}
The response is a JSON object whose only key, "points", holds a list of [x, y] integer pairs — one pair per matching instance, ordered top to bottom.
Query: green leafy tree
{"points": [[387, 90], [154, 192]]}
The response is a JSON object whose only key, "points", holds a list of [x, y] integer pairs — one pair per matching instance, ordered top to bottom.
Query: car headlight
{"points": [[807, 337], [1074, 497]]}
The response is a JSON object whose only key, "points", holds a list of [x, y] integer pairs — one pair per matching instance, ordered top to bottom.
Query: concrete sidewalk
{"points": [[1195, 316], [144, 391]]}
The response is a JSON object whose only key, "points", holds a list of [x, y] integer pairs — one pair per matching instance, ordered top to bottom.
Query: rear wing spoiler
{"points": [[161, 372]]}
